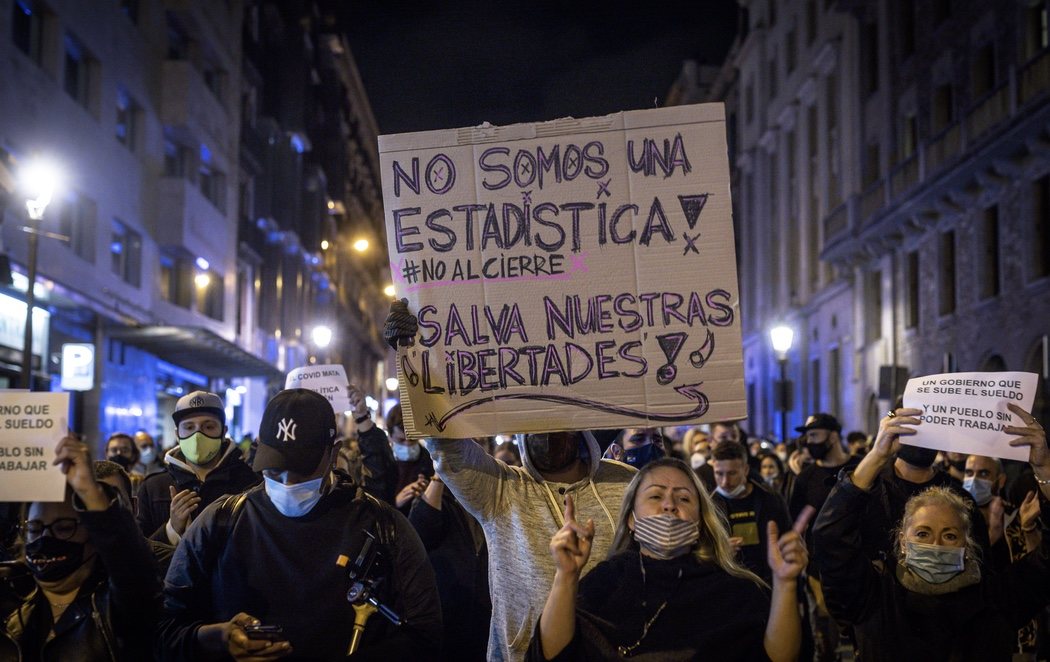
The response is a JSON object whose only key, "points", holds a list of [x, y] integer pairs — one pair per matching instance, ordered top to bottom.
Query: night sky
{"points": [[433, 65]]}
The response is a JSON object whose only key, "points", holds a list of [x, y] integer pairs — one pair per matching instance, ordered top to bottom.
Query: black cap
{"points": [[821, 422], [297, 428]]}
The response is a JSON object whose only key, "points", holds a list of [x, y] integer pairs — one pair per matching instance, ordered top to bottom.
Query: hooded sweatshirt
{"points": [[519, 512]]}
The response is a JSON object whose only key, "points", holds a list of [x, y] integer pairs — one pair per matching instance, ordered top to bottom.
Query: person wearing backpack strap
{"points": [[279, 556]]}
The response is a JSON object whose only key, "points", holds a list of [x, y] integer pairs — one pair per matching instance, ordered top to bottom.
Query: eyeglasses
{"points": [[62, 528]]}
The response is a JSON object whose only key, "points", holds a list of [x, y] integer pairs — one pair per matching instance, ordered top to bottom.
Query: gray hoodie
{"points": [[519, 512]]}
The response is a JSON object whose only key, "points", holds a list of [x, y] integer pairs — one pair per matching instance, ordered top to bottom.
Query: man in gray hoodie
{"points": [[520, 508]]}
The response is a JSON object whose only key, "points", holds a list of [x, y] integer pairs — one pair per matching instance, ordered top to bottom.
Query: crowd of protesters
{"points": [[324, 538]]}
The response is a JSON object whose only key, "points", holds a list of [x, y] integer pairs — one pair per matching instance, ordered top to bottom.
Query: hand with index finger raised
{"points": [[571, 545]]}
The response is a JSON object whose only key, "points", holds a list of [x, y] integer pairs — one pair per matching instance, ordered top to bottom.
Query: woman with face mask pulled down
{"points": [[670, 589], [97, 594], [936, 598]]}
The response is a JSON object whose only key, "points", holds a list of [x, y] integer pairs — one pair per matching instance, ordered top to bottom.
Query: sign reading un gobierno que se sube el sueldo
{"points": [[572, 274]]}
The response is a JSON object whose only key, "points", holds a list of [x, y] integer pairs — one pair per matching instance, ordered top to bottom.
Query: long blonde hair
{"points": [[713, 545]]}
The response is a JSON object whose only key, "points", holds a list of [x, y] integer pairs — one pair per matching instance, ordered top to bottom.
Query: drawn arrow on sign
{"points": [[691, 391]]}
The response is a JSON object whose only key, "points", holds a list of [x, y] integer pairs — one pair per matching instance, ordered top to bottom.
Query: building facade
{"points": [[148, 108], [891, 197]]}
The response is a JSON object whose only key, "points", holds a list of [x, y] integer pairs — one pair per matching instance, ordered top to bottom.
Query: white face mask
{"points": [[406, 452], [147, 454], [697, 460], [733, 493], [293, 500]]}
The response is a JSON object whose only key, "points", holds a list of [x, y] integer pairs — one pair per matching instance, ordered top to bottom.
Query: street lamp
{"points": [[39, 179], [361, 245], [389, 291], [321, 337], [781, 337]]}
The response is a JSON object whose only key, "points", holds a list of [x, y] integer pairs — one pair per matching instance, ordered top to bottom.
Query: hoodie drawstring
{"points": [[554, 502], [612, 522]]}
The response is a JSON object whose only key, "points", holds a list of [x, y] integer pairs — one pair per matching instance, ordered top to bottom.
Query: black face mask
{"points": [[818, 451], [552, 452], [643, 455], [917, 456], [124, 462], [51, 559]]}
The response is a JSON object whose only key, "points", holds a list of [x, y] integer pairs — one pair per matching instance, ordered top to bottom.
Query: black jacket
{"points": [[380, 468], [231, 476], [768, 506], [455, 544], [284, 571], [115, 612], [710, 614], [977, 623]]}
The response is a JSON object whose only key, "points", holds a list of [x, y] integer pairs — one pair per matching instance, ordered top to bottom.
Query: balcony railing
{"points": [[1034, 78], [988, 113], [872, 200], [836, 222]]}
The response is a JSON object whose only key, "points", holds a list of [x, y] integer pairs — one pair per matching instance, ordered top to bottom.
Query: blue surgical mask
{"points": [[643, 455], [979, 488], [293, 500], [934, 563]]}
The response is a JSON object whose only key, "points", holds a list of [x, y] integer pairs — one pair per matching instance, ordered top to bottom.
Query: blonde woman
{"points": [[670, 589], [936, 599]]}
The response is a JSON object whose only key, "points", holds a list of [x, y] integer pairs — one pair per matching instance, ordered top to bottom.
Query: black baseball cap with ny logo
{"points": [[297, 428]]}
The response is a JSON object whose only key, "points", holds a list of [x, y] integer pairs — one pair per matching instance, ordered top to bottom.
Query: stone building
{"points": [[891, 194]]}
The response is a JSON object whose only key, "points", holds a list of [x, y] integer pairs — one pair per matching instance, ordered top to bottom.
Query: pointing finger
{"points": [[570, 510]]}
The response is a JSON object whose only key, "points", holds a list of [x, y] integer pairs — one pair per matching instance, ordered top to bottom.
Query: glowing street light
{"points": [[38, 180], [324, 244], [361, 245], [202, 280], [389, 290], [321, 336], [781, 337], [391, 384]]}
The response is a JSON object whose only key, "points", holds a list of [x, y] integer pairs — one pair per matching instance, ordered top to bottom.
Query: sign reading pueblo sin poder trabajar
{"points": [[573, 274]]}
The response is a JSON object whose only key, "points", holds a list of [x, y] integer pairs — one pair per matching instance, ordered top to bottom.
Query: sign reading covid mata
{"points": [[573, 274]]}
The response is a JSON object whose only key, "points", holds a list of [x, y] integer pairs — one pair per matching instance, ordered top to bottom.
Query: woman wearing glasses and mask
{"points": [[670, 589], [96, 590], [935, 598]]}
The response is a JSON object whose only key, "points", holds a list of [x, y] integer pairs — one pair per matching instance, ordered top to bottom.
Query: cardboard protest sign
{"points": [[566, 275], [328, 380], [965, 412], [31, 425]]}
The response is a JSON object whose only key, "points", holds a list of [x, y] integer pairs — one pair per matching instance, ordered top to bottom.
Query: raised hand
{"points": [[401, 325], [357, 400], [1032, 435], [887, 441], [74, 458], [410, 491], [183, 505], [1030, 511], [996, 517], [571, 545], [786, 554]]}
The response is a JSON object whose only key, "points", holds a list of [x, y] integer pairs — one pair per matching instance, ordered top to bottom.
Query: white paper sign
{"points": [[328, 380], [965, 412], [31, 425]]}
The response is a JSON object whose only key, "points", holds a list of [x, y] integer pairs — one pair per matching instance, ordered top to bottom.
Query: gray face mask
{"points": [[934, 563]]}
